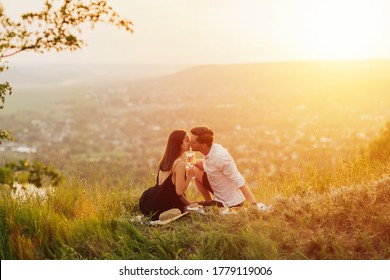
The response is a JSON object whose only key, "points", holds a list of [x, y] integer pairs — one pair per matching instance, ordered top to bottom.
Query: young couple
{"points": [[216, 175]]}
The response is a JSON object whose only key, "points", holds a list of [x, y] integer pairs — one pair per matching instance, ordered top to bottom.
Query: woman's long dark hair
{"points": [[172, 149]]}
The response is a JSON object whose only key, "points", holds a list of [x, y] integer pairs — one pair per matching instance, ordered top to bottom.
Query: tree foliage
{"points": [[56, 27], [5, 89], [26, 172]]}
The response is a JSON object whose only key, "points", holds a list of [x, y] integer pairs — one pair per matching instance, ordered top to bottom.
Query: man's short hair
{"points": [[204, 134]]}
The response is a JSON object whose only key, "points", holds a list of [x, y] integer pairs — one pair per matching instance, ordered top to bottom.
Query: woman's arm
{"points": [[199, 164], [181, 180], [185, 200]]}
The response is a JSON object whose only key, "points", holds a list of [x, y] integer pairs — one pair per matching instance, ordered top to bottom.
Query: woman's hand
{"points": [[191, 172]]}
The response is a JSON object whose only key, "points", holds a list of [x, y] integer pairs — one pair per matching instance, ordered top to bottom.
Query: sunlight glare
{"points": [[344, 30]]}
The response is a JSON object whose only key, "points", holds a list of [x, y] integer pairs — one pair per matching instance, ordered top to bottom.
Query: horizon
{"points": [[145, 71], [21, 76]]}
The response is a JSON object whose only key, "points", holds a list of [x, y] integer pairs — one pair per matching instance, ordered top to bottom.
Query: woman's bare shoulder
{"points": [[179, 163]]}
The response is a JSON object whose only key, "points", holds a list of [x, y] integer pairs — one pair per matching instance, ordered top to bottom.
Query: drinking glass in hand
{"points": [[190, 158]]}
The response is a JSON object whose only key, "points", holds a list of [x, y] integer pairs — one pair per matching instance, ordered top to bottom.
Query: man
{"points": [[217, 172]]}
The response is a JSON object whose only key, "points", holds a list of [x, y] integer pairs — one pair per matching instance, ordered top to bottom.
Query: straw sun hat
{"points": [[168, 216]]}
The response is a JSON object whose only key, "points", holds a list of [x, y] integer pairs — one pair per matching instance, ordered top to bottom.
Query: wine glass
{"points": [[190, 158]]}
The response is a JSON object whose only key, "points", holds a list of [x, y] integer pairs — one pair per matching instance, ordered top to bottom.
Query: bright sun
{"points": [[344, 30]]}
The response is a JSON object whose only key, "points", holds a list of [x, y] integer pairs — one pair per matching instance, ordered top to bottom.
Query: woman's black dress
{"points": [[160, 198]]}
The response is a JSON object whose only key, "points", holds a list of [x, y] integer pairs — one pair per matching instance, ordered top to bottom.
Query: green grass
{"points": [[338, 212]]}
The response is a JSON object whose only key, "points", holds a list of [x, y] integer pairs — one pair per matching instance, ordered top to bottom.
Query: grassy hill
{"points": [[315, 217]]}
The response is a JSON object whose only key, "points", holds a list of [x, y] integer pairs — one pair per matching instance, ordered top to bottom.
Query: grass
{"points": [[338, 212]]}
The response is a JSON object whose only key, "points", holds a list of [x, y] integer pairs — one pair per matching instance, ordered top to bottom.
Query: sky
{"points": [[194, 32]]}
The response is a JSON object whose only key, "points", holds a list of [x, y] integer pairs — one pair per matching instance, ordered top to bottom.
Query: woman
{"points": [[171, 179]]}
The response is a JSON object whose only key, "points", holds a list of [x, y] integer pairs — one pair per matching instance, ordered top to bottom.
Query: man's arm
{"points": [[248, 194]]}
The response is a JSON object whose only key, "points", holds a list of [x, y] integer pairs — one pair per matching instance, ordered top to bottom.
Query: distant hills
{"points": [[62, 75], [303, 75], [350, 75], [36, 84]]}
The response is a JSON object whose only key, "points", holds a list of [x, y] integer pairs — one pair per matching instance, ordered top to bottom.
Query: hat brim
{"points": [[164, 222]]}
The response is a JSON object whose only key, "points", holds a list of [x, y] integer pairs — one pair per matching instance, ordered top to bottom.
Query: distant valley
{"points": [[273, 117]]}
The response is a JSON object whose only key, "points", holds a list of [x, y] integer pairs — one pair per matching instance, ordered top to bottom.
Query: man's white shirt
{"points": [[223, 175]]}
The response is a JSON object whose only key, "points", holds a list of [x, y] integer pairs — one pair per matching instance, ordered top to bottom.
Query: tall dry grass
{"points": [[338, 212]]}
